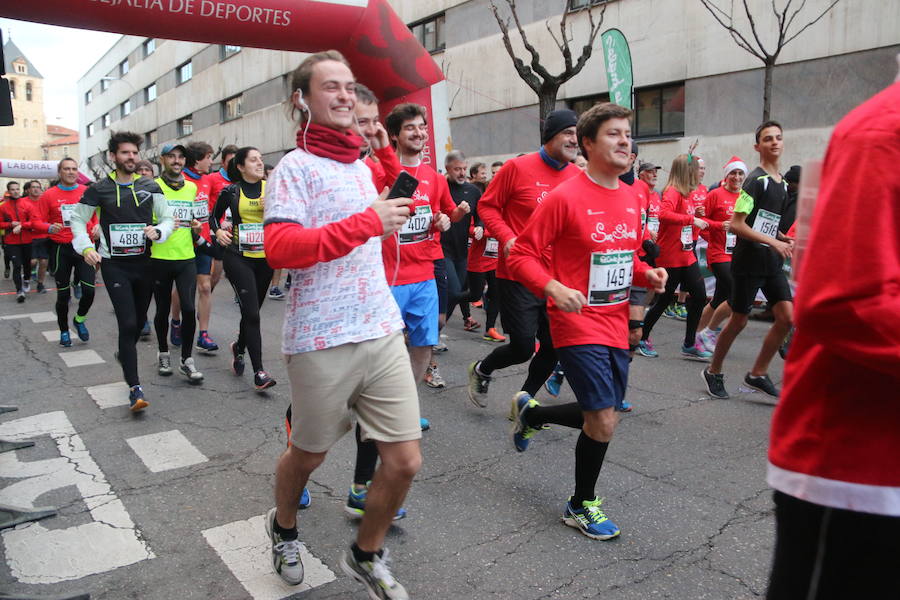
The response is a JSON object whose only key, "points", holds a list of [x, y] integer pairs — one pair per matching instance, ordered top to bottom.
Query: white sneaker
{"points": [[26, 286], [164, 363], [188, 369], [285, 554]]}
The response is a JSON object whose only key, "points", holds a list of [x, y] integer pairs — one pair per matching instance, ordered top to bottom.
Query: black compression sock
{"points": [[567, 415], [589, 455], [285, 534], [362, 555]]}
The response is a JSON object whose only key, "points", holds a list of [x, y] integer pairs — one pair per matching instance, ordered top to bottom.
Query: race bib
{"points": [[201, 210], [66, 211], [182, 211], [766, 223], [653, 224], [418, 227], [250, 237], [687, 238], [126, 239], [730, 242], [492, 248], [611, 276]]}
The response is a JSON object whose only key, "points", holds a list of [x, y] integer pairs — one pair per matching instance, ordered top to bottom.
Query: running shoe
{"points": [[6, 272], [287, 283], [26, 286], [41, 289], [76, 291], [275, 293], [20, 296], [478, 304], [681, 312], [669, 313], [471, 324], [81, 329], [145, 330], [175, 332], [492, 335], [65, 339], [707, 339], [205, 343], [786, 344], [440, 347], [645, 348], [695, 352], [237, 360], [164, 363], [188, 369], [433, 377], [262, 380], [555, 381], [762, 383], [715, 384], [478, 386], [136, 399], [624, 407], [424, 424], [521, 431], [305, 500], [356, 503], [590, 520], [285, 554], [375, 575]]}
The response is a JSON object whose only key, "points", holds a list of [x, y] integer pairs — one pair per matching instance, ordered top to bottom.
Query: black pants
{"points": [[20, 256], [64, 261], [183, 273], [250, 278], [691, 282], [724, 283], [130, 290], [457, 292], [491, 298], [524, 319], [826, 553]]}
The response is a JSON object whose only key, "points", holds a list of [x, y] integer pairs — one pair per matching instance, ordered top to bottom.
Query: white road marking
{"points": [[41, 317], [53, 335], [80, 358], [109, 395], [165, 451], [245, 550], [38, 555]]}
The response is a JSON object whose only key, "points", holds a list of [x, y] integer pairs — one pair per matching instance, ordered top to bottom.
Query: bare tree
{"points": [[752, 42], [535, 74]]}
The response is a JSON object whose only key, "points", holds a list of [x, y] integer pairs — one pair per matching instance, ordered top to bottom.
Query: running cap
{"points": [[556, 121], [167, 149], [735, 163], [647, 166]]}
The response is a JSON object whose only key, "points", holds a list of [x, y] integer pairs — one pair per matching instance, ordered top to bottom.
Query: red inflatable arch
{"points": [[382, 51]]}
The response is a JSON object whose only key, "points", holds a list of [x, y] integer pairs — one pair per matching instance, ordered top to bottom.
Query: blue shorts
{"points": [[204, 263], [418, 304], [597, 374]]}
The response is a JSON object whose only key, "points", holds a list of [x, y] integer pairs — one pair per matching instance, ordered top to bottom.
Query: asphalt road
{"points": [[177, 514]]}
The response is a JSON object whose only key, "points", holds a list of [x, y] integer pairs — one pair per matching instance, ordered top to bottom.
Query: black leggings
{"points": [[20, 256], [63, 261], [183, 273], [250, 278], [691, 282], [724, 283], [130, 291], [457, 293], [491, 298]]}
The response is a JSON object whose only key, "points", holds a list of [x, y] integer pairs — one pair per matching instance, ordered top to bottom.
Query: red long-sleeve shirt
{"points": [[205, 185], [514, 194], [719, 207], [22, 210], [49, 212], [676, 213], [595, 233], [482, 259], [835, 437]]}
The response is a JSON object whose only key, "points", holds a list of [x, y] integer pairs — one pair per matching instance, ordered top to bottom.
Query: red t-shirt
{"points": [[204, 192], [514, 194], [719, 208], [22, 210], [49, 212], [676, 230], [37, 234], [595, 235], [483, 253]]}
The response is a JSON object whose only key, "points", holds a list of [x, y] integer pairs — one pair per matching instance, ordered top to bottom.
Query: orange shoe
{"points": [[479, 304], [471, 324], [492, 335]]}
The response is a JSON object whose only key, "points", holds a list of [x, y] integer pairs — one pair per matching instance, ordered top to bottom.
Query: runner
{"points": [[145, 169], [217, 182], [646, 182], [510, 200], [125, 205], [55, 209], [719, 209], [16, 215], [593, 224], [455, 241], [39, 243], [676, 254], [172, 262], [756, 263], [482, 270], [344, 350], [834, 448]]}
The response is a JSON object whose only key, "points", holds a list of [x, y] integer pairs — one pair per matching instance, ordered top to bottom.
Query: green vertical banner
{"points": [[617, 58]]}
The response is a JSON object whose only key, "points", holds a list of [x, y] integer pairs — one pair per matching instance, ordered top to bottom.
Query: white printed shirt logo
{"points": [[620, 232]]}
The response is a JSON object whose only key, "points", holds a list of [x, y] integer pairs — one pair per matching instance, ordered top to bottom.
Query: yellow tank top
{"points": [[250, 231]]}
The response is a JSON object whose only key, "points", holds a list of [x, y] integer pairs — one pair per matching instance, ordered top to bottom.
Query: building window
{"points": [[579, 4], [430, 33], [149, 47], [228, 50], [123, 67], [21, 69], [184, 73], [104, 84], [12, 89], [28, 92], [150, 93], [88, 96], [579, 105], [126, 108], [231, 108], [659, 111], [106, 121], [25, 123], [185, 126], [90, 130], [151, 139]]}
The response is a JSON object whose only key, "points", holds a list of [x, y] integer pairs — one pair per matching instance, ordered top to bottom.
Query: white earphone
{"points": [[304, 107]]}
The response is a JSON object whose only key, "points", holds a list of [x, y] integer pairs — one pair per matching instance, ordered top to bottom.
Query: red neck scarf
{"points": [[329, 143]]}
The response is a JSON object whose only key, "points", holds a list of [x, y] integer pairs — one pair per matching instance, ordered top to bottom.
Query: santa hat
{"points": [[735, 163]]}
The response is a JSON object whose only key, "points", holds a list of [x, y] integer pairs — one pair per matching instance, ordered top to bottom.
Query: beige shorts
{"points": [[372, 379]]}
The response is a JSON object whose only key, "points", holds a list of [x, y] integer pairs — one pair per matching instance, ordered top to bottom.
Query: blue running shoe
{"points": [[681, 312], [669, 313], [81, 329], [145, 330], [175, 332], [65, 340], [205, 343], [645, 348], [696, 352], [554, 383], [136, 399], [624, 407], [424, 423], [521, 431], [305, 500], [356, 503], [590, 520]]}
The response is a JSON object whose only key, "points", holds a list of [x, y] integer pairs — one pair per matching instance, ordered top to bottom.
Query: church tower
{"points": [[24, 139]]}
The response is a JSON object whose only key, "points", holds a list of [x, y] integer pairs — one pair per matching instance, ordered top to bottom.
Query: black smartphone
{"points": [[404, 187]]}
